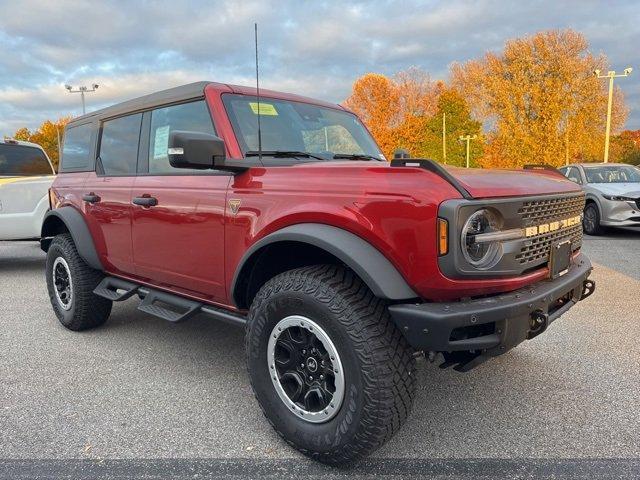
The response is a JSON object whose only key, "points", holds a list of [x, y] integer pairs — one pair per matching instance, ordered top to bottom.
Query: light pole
{"points": [[611, 74], [82, 90], [444, 137], [467, 138]]}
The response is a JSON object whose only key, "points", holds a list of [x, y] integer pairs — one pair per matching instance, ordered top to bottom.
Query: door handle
{"points": [[91, 198], [145, 201]]}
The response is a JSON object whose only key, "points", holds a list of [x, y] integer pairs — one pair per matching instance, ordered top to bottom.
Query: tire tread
{"points": [[388, 363]]}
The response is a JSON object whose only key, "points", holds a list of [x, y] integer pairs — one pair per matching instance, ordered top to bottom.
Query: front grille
{"points": [[540, 211], [535, 212]]}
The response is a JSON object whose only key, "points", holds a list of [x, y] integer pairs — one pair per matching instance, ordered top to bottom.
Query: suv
{"points": [[25, 177], [612, 194], [281, 215]]}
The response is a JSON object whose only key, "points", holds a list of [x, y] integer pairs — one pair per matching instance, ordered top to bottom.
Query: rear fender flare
{"points": [[77, 227]]}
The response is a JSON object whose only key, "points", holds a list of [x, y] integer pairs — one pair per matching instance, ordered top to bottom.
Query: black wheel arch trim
{"points": [[75, 223], [375, 270]]}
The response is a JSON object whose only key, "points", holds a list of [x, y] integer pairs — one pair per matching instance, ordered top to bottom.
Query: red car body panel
{"points": [[511, 183], [178, 243], [192, 244]]}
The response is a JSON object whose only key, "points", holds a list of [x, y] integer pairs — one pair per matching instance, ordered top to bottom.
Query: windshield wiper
{"points": [[283, 154], [355, 156]]}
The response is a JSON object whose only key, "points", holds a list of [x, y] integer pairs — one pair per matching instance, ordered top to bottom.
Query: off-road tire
{"points": [[596, 229], [87, 310], [379, 365]]}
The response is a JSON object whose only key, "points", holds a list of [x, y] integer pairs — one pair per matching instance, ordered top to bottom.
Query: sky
{"points": [[314, 48]]}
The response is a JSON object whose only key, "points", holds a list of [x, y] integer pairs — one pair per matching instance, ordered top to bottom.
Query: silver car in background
{"points": [[612, 194]]}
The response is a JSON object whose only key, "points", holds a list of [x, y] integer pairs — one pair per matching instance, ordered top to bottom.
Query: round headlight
{"points": [[481, 254]]}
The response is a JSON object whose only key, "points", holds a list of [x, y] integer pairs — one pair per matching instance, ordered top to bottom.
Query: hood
{"points": [[481, 183], [623, 189]]}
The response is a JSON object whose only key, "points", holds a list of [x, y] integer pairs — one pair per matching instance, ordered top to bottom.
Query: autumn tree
{"points": [[540, 99], [376, 100], [398, 109], [458, 122], [47, 136], [625, 148]]}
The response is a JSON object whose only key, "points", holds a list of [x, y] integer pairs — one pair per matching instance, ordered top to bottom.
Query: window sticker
{"points": [[265, 108], [161, 142]]}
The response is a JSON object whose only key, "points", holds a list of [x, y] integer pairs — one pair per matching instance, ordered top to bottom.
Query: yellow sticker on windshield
{"points": [[265, 108]]}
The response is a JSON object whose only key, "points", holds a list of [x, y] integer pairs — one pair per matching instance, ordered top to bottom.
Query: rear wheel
{"points": [[591, 220], [70, 282], [332, 373]]}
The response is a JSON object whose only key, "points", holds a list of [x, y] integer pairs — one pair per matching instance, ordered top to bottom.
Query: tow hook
{"points": [[588, 287], [537, 323]]}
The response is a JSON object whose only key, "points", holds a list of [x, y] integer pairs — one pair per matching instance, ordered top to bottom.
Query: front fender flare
{"points": [[77, 227], [375, 270]]}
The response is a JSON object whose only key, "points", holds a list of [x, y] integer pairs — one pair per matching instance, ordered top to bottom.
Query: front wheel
{"points": [[591, 220], [71, 282], [331, 372]]}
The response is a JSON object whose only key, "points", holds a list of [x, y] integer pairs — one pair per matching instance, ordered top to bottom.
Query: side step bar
{"points": [[115, 289], [167, 306]]}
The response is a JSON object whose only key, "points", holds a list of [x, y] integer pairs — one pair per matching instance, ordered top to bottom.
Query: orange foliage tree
{"points": [[541, 99], [376, 101], [402, 111], [47, 136]]}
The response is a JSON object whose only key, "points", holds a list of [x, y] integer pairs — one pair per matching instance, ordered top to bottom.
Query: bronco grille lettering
{"points": [[552, 226]]}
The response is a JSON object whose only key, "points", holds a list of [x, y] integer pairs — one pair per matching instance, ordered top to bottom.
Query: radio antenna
{"points": [[255, 25]]}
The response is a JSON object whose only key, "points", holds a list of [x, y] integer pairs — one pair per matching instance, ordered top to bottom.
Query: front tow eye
{"points": [[588, 287], [537, 323]]}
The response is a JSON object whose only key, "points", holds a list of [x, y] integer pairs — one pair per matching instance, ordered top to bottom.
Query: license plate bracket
{"points": [[559, 259]]}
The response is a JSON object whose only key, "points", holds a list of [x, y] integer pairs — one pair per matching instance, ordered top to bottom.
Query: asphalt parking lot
{"points": [[141, 396]]}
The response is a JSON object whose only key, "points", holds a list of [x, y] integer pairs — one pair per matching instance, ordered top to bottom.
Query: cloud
{"points": [[312, 48]]}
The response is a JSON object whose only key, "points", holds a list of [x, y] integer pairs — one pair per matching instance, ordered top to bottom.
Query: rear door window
{"points": [[190, 117], [119, 145], [77, 149], [23, 161]]}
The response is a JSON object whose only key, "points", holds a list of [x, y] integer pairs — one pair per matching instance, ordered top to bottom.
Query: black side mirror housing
{"points": [[195, 150]]}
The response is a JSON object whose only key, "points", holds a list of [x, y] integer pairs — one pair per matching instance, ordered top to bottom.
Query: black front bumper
{"points": [[469, 332]]}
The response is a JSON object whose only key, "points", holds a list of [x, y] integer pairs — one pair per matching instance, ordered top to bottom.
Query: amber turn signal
{"points": [[53, 199], [443, 236]]}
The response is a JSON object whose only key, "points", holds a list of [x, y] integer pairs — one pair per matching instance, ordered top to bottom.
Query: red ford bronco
{"points": [[281, 215]]}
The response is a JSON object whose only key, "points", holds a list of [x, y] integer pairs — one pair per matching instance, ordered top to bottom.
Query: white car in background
{"points": [[26, 173], [612, 194]]}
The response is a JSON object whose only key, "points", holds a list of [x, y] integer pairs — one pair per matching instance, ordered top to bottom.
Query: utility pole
{"points": [[611, 74], [82, 90], [444, 137], [467, 138], [566, 142], [59, 146]]}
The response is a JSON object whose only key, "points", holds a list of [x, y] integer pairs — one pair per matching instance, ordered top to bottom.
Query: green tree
{"points": [[458, 122]]}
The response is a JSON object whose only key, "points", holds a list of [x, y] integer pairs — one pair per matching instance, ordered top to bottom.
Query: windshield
{"points": [[289, 126], [22, 161], [612, 174]]}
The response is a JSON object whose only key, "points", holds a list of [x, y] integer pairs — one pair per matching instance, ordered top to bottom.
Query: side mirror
{"points": [[195, 150], [400, 153]]}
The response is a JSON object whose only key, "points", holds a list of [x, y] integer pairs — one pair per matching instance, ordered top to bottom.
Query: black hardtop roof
{"points": [[182, 93], [176, 94]]}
